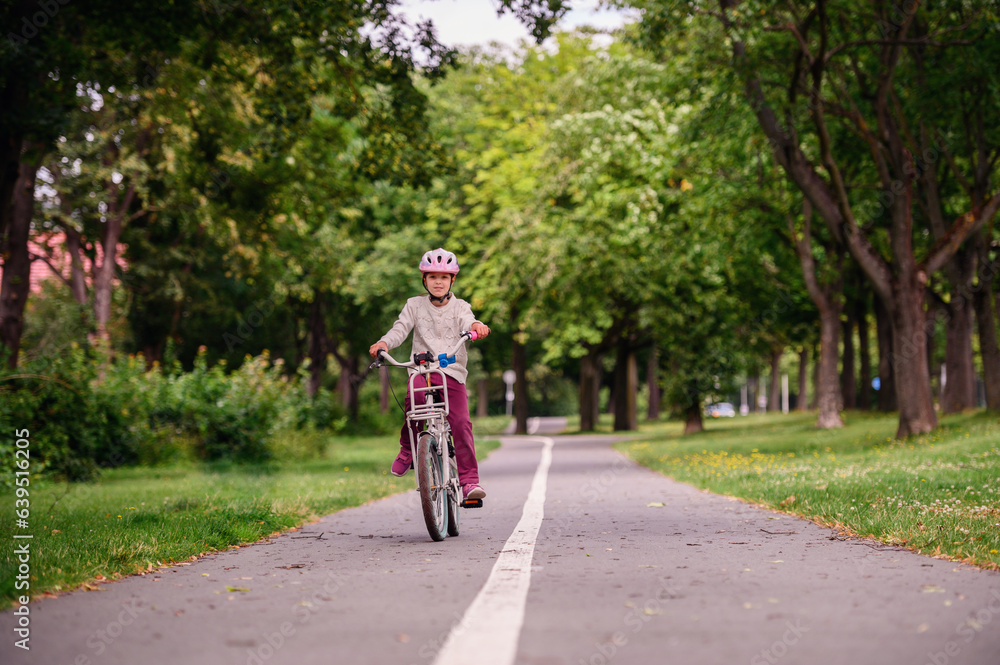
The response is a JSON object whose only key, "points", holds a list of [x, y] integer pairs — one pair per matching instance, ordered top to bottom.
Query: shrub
{"points": [[84, 414], [76, 425]]}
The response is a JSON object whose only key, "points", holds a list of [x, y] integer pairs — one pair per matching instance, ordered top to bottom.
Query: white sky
{"points": [[468, 22]]}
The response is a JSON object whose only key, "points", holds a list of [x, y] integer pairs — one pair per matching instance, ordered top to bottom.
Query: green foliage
{"points": [[84, 414], [74, 429]]}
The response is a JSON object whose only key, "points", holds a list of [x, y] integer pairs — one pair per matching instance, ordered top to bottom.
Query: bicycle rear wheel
{"points": [[433, 493]]}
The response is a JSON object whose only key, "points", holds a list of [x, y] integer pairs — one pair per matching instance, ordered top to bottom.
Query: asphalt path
{"points": [[578, 557]]}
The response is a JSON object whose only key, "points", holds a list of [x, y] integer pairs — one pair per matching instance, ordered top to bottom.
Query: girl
{"points": [[436, 321]]}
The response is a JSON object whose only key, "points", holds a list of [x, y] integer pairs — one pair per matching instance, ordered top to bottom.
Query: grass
{"points": [[938, 494], [135, 520]]}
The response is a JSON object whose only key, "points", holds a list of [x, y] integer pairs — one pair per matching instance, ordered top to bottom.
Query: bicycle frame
{"points": [[433, 414]]}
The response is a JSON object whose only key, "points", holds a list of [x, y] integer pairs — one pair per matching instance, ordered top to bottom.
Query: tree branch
{"points": [[961, 229], [32, 256]]}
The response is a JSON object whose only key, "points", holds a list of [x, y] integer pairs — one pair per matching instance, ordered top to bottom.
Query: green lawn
{"points": [[938, 494], [137, 519]]}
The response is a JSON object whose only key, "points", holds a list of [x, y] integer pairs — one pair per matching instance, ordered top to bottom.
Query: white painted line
{"points": [[491, 628]]}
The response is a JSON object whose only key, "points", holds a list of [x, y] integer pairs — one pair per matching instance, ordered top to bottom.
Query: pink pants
{"points": [[461, 430]]}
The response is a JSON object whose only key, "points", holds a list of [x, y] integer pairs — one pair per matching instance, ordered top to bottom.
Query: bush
{"points": [[84, 414], [75, 428]]}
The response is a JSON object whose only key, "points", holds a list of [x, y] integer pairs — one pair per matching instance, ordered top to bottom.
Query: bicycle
{"points": [[437, 480]]}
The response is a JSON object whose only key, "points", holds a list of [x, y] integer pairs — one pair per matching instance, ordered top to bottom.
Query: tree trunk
{"points": [[13, 95], [105, 274], [77, 280], [16, 283], [824, 296], [931, 316], [986, 322], [318, 346], [865, 354], [520, 362], [910, 366], [848, 378], [384, 380], [653, 382], [887, 383], [347, 384], [590, 386], [626, 387], [828, 391], [959, 393], [774, 394], [483, 399], [814, 399], [801, 402], [692, 419]]}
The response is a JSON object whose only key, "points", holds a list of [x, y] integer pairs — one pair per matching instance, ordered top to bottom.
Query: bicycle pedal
{"points": [[472, 503]]}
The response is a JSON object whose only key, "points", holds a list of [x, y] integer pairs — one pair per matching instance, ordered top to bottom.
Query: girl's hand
{"points": [[481, 329], [373, 351]]}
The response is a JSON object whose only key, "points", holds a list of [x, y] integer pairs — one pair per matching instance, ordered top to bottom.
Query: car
{"points": [[722, 410]]}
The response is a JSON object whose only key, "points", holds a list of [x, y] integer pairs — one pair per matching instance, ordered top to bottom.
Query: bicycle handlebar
{"points": [[426, 359]]}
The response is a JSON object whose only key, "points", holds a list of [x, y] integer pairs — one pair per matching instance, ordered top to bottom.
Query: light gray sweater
{"points": [[435, 329]]}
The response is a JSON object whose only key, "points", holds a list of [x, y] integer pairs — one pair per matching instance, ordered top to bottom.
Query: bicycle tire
{"points": [[433, 494], [454, 498]]}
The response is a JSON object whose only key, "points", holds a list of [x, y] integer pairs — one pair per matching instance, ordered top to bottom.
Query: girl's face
{"points": [[438, 283]]}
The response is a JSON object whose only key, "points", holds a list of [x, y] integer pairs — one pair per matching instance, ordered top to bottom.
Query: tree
{"points": [[270, 58], [833, 69]]}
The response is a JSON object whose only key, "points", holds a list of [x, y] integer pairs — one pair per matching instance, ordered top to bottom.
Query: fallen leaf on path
{"points": [[655, 504], [776, 561], [236, 588], [931, 588], [651, 612], [923, 628], [402, 637]]}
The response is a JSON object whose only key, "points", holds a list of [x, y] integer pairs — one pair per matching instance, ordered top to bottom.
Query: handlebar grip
{"points": [[473, 335]]}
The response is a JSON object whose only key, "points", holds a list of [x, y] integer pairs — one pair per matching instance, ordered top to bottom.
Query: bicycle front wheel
{"points": [[433, 493], [454, 498]]}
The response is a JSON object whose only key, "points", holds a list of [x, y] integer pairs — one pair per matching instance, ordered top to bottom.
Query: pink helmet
{"points": [[439, 260]]}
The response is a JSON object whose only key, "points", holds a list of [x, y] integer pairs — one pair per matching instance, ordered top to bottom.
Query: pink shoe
{"points": [[402, 463], [472, 491]]}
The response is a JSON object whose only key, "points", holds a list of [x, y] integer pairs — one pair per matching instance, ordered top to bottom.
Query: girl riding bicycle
{"points": [[436, 320]]}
